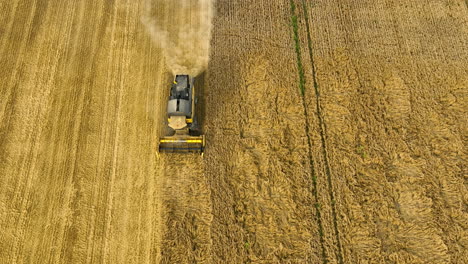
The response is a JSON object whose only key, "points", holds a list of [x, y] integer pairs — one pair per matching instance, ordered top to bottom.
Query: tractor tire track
{"points": [[302, 87], [322, 128]]}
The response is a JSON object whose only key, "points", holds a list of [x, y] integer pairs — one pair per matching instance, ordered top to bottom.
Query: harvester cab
{"points": [[185, 136]]}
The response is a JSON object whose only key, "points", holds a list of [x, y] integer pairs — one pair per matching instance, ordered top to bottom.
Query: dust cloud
{"points": [[183, 32]]}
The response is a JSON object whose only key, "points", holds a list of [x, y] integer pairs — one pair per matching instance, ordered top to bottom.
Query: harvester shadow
{"points": [[200, 106]]}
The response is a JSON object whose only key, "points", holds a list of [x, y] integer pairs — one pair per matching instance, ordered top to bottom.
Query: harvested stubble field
{"points": [[336, 133]]}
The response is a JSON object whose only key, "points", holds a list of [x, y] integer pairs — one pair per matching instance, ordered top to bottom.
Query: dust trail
{"points": [[182, 28]]}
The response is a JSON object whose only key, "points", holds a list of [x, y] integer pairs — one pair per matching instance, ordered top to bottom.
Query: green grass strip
{"points": [[297, 44], [302, 81], [339, 253]]}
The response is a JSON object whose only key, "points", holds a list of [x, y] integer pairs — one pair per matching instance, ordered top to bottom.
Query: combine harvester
{"points": [[186, 136]]}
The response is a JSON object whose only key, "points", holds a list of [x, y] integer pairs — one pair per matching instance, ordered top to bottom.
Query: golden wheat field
{"points": [[336, 133]]}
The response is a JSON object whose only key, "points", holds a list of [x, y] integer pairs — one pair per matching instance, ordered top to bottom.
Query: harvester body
{"points": [[185, 136]]}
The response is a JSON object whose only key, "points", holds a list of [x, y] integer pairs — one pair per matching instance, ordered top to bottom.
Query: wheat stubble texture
{"points": [[367, 166]]}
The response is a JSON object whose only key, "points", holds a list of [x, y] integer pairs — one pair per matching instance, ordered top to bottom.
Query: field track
{"points": [[336, 133]]}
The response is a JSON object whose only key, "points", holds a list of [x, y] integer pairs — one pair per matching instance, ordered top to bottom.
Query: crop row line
{"points": [[300, 67], [322, 126], [322, 134]]}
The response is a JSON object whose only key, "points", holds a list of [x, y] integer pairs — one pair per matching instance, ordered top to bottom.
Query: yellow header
{"points": [[181, 141]]}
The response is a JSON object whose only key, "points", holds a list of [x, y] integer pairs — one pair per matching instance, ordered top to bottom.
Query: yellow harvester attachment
{"points": [[182, 144]]}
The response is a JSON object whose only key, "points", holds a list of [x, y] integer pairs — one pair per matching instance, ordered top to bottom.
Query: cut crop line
{"points": [[297, 48], [307, 128], [322, 133]]}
